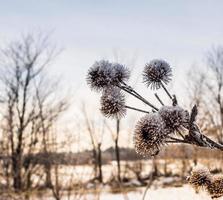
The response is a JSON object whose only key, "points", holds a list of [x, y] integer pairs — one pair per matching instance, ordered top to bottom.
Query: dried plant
{"points": [[157, 72], [113, 103], [175, 117], [168, 124], [149, 134], [201, 178], [215, 188]]}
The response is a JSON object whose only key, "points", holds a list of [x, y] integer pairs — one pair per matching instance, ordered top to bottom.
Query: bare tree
{"points": [[23, 63], [215, 85], [196, 90], [205, 90], [49, 111], [115, 136], [96, 137]]}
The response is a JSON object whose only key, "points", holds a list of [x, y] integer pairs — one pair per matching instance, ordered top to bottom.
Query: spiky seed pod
{"points": [[156, 72], [120, 73], [105, 74], [99, 75], [113, 103], [175, 117], [149, 134], [200, 178], [215, 188]]}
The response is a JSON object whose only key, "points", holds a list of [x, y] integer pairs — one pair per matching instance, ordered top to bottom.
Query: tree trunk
{"points": [[94, 152], [16, 170], [100, 175], [48, 181]]}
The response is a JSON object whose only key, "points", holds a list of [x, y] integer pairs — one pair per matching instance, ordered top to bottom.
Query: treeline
{"points": [[126, 154]]}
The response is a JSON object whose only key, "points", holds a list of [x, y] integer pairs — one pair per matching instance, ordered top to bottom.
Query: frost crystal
{"points": [[156, 72], [105, 74], [113, 103], [175, 117], [149, 134], [200, 177]]}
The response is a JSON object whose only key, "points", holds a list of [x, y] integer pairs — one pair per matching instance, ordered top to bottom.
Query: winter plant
{"points": [[160, 126], [201, 178]]}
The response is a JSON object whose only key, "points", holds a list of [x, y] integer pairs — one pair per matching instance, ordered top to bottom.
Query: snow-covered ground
{"points": [[168, 193], [179, 193]]}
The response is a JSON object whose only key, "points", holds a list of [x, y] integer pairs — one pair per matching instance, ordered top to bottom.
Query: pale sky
{"points": [[178, 31]]}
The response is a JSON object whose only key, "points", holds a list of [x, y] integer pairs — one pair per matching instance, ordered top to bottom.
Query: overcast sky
{"points": [[179, 31]]}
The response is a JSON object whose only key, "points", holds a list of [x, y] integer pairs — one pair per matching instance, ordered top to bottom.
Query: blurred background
{"points": [[55, 143]]}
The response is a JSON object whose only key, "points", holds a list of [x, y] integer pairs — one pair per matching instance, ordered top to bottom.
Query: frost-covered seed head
{"points": [[156, 72], [119, 73], [105, 74], [98, 76], [113, 103], [175, 117], [149, 134], [200, 177], [215, 188]]}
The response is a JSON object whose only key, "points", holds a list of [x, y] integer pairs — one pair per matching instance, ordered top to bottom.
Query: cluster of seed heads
{"points": [[104, 74], [106, 77], [152, 130], [201, 178]]}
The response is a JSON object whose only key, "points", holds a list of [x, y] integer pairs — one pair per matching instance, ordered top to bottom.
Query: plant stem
{"points": [[165, 89], [138, 96], [158, 98], [137, 109], [180, 134], [176, 139], [148, 185]]}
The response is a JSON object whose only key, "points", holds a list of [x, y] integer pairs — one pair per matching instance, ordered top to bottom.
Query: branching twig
{"points": [[135, 94]]}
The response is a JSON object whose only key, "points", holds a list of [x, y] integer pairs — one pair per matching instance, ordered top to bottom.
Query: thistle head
{"points": [[156, 72], [120, 73], [104, 74], [98, 76], [113, 103], [175, 117], [149, 134], [200, 177], [215, 188]]}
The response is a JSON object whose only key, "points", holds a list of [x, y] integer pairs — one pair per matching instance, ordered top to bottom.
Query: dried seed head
{"points": [[156, 72], [119, 73], [105, 74], [98, 76], [113, 103], [175, 117], [149, 134], [200, 177], [215, 188]]}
